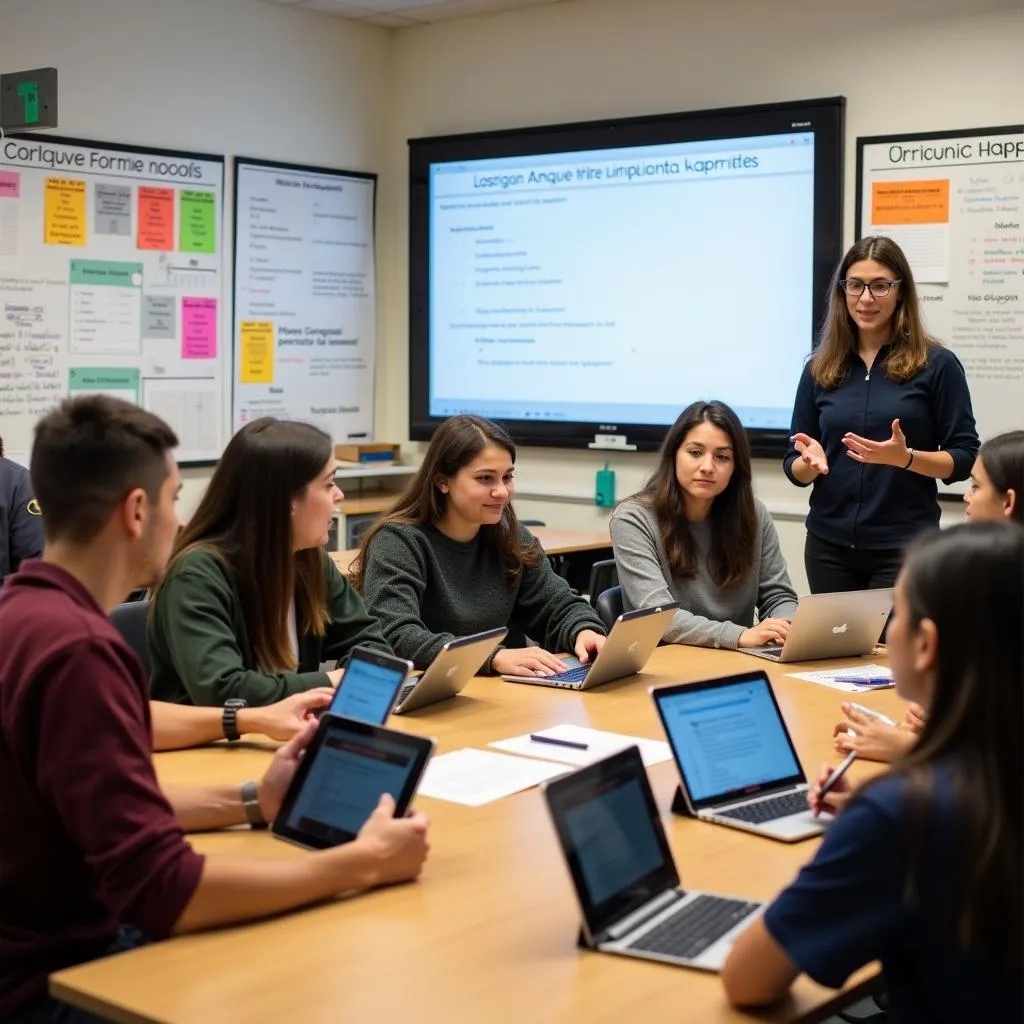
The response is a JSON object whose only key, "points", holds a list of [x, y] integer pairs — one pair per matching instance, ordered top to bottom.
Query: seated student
{"points": [[996, 492], [21, 523], [697, 535], [452, 559], [252, 604], [176, 726], [92, 854], [921, 869]]}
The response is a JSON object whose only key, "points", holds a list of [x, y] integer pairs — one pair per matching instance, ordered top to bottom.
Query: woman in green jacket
{"points": [[252, 605]]}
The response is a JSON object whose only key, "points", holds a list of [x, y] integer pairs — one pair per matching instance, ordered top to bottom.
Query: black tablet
{"points": [[346, 769]]}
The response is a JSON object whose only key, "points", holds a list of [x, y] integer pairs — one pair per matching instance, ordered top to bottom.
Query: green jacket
{"points": [[199, 644]]}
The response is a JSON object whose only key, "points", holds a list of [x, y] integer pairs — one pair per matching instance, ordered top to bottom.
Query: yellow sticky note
{"points": [[64, 212], [257, 363]]}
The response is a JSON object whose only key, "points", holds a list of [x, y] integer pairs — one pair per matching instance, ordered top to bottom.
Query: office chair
{"points": [[604, 574], [609, 606], [130, 620]]}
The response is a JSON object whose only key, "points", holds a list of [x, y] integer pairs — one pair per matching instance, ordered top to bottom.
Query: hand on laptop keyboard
{"points": [[769, 631], [526, 661]]}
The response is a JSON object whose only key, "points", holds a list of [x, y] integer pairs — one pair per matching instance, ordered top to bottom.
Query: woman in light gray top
{"points": [[697, 535]]}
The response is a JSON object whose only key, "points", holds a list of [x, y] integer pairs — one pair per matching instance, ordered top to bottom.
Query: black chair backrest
{"points": [[532, 522], [603, 575], [609, 606], [130, 620]]}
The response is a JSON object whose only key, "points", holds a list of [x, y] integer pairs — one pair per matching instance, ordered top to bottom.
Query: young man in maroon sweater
{"points": [[93, 857]]}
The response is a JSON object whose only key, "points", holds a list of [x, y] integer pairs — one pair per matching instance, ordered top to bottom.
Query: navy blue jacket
{"points": [[875, 507], [21, 522]]}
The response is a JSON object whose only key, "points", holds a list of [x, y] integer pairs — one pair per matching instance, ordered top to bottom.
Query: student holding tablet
{"points": [[882, 411], [21, 522], [697, 535], [451, 559], [252, 604], [93, 851], [921, 869]]}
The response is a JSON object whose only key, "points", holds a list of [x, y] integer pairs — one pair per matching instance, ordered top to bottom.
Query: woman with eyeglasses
{"points": [[882, 411]]}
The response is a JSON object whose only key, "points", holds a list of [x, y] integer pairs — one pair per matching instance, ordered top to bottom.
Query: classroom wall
{"points": [[904, 65], [218, 76]]}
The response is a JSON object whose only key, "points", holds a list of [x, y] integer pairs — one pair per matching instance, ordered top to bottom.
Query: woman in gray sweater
{"points": [[697, 535], [451, 559]]}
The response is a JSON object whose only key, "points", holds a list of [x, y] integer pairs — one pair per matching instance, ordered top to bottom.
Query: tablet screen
{"points": [[368, 689], [351, 767]]}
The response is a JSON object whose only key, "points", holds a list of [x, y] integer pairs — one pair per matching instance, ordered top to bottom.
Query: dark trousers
{"points": [[833, 567], [50, 1011]]}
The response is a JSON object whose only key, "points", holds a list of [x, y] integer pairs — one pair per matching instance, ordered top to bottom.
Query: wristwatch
{"points": [[230, 718], [251, 803]]}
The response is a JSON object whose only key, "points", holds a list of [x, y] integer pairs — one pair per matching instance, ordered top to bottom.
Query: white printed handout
{"points": [[590, 745], [476, 777]]}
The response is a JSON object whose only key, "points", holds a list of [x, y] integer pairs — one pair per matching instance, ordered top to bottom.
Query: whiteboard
{"points": [[954, 201], [111, 280], [305, 297]]}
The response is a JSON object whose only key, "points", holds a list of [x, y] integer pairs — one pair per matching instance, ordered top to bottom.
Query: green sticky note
{"points": [[198, 221], [111, 380]]}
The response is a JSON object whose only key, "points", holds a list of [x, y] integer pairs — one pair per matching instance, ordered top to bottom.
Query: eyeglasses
{"points": [[879, 288]]}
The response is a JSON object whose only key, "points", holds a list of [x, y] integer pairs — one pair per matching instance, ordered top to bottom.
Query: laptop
{"points": [[843, 625], [630, 644], [447, 675], [736, 760], [626, 883]]}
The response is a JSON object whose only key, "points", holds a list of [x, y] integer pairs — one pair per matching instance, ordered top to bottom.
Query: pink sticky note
{"points": [[10, 184], [198, 328]]}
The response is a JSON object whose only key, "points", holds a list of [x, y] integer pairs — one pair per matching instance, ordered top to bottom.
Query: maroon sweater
{"points": [[87, 840]]}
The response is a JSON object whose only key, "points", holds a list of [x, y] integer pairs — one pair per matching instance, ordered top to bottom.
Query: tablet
{"points": [[369, 686], [346, 769]]}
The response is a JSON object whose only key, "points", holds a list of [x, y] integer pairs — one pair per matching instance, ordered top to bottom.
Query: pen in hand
{"points": [[572, 744]]}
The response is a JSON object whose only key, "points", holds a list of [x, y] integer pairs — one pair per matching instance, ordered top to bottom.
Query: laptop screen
{"points": [[367, 690], [728, 738], [612, 838]]}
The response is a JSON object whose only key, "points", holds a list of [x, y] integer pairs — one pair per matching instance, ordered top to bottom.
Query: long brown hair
{"points": [[837, 340], [455, 444], [1003, 456], [733, 516], [244, 520], [969, 581]]}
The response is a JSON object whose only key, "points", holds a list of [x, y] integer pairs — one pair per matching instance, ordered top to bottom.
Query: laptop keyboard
{"points": [[773, 653], [573, 675], [405, 691], [768, 810], [698, 925]]}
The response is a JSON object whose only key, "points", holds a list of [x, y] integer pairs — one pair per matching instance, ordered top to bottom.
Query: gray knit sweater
{"points": [[425, 589], [708, 616]]}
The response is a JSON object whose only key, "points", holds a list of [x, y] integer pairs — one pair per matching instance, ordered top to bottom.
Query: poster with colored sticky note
{"points": [[64, 211], [156, 218], [198, 221], [198, 328], [257, 363]]}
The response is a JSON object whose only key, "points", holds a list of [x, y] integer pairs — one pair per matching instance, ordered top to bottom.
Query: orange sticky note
{"points": [[910, 202], [64, 211], [156, 218], [257, 363]]}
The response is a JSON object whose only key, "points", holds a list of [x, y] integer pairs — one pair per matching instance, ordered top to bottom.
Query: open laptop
{"points": [[843, 625], [630, 644], [447, 675], [736, 760], [626, 882]]}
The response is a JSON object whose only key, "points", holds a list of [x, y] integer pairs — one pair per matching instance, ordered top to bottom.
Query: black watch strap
{"points": [[229, 719]]}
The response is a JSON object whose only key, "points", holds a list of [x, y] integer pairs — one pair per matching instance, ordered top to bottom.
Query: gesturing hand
{"points": [[810, 452], [893, 452]]}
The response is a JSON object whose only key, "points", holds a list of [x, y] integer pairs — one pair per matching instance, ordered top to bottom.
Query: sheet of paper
{"points": [[915, 215], [831, 677], [599, 745], [476, 777]]}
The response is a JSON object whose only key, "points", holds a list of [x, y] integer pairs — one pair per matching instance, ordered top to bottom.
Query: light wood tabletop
{"points": [[554, 542], [488, 932]]}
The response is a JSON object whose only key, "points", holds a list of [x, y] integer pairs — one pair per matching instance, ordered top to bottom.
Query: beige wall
{"points": [[904, 65]]}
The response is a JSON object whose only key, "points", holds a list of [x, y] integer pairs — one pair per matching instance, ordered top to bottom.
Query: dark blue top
{"points": [[863, 506], [21, 524], [848, 907]]}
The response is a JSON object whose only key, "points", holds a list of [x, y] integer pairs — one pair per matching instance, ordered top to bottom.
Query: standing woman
{"points": [[882, 411], [21, 520], [252, 604]]}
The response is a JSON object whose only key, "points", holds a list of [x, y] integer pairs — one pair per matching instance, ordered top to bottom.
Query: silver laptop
{"points": [[843, 625], [630, 644], [447, 675], [736, 760], [626, 882]]}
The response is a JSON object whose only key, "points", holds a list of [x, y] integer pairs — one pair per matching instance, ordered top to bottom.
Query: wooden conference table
{"points": [[553, 541], [488, 933]]}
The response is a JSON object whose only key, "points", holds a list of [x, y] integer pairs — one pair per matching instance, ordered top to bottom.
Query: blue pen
{"points": [[866, 680]]}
